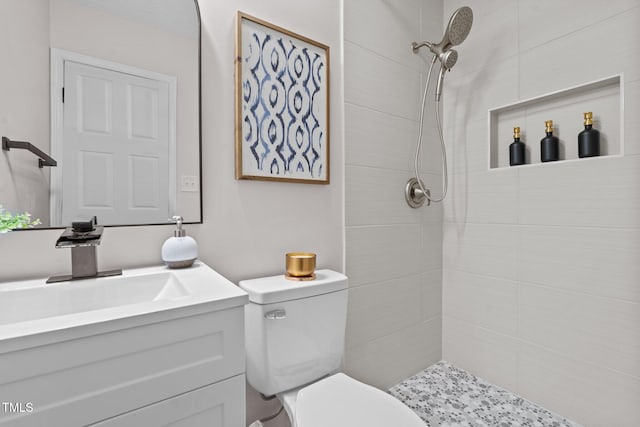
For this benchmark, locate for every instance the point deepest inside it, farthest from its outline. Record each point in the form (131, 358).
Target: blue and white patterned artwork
(284, 114)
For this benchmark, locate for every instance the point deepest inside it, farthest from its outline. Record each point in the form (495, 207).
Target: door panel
(95, 180)
(144, 193)
(94, 105)
(143, 112)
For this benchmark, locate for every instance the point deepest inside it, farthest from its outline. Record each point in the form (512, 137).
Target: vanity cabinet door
(218, 405)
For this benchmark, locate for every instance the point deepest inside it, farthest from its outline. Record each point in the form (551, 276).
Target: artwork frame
(282, 115)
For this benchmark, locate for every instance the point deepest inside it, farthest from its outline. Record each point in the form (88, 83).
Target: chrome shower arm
(417, 46)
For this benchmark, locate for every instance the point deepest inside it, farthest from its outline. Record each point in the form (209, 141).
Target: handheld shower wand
(456, 32)
(447, 60)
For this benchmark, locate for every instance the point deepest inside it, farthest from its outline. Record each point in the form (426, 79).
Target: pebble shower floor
(444, 395)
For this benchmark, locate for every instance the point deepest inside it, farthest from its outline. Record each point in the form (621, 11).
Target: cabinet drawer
(217, 405)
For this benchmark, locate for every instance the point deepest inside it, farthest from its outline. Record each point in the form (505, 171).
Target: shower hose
(445, 177)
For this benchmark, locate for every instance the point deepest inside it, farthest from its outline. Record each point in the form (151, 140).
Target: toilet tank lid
(268, 290)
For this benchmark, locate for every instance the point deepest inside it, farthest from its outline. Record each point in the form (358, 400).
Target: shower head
(457, 31)
(458, 28)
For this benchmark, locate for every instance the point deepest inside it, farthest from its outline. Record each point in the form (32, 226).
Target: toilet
(294, 344)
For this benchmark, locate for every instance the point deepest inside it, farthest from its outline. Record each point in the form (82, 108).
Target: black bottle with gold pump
(516, 149)
(589, 138)
(549, 145)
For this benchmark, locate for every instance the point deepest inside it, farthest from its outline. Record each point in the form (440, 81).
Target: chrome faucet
(82, 237)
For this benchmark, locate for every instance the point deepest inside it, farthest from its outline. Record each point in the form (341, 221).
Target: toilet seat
(339, 400)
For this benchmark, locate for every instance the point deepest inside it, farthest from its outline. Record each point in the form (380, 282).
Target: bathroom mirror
(110, 90)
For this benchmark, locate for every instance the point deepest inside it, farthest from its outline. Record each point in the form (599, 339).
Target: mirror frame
(197, 6)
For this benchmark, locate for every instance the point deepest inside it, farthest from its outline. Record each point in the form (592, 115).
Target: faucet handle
(81, 233)
(84, 226)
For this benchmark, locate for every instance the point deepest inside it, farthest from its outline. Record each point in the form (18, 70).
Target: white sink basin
(28, 301)
(33, 306)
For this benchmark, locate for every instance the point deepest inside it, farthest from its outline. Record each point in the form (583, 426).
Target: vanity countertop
(35, 313)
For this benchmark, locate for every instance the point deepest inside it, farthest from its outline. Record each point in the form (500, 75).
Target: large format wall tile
(562, 63)
(431, 294)
(467, 150)
(395, 41)
(486, 249)
(484, 301)
(382, 253)
(431, 250)
(552, 14)
(487, 198)
(584, 392)
(487, 42)
(379, 139)
(481, 351)
(586, 327)
(386, 361)
(377, 197)
(601, 192)
(377, 82)
(469, 96)
(597, 261)
(382, 308)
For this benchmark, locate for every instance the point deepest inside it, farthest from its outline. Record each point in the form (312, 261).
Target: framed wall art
(282, 104)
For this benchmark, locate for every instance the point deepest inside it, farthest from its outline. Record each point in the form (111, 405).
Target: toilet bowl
(294, 345)
(339, 401)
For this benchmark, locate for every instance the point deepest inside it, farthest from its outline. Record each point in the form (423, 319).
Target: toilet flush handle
(276, 314)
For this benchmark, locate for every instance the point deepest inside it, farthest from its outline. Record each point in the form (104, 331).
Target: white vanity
(151, 347)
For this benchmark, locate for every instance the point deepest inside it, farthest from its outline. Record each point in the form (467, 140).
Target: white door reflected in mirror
(118, 133)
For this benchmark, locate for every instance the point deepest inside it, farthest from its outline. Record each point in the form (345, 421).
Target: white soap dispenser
(179, 251)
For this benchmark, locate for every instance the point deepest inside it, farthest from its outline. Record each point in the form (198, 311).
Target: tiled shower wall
(393, 252)
(541, 271)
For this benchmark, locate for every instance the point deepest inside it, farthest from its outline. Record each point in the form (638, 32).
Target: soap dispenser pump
(179, 251)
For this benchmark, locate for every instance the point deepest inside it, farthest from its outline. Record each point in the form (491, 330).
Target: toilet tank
(294, 330)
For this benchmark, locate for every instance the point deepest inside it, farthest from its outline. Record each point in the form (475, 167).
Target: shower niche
(565, 107)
